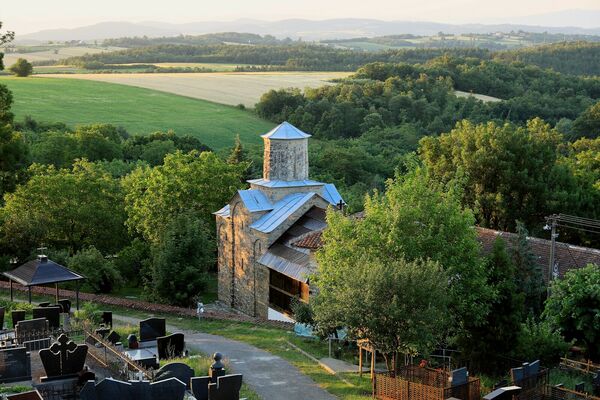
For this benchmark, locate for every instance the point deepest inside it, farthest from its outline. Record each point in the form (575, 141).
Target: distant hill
(343, 28)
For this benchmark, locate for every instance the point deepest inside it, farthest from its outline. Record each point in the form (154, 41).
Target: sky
(34, 15)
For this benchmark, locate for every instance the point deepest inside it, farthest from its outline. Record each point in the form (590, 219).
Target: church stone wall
(240, 279)
(286, 160)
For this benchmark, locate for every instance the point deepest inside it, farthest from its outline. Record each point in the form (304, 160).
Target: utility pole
(553, 235)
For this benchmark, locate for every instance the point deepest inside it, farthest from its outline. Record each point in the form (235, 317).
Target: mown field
(226, 88)
(139, 110)
(58, 53)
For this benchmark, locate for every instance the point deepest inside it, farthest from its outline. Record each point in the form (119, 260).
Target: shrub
(101, 274)
(21, 68)
(538, 340)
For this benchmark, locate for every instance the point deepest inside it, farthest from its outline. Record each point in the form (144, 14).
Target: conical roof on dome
(286, 131)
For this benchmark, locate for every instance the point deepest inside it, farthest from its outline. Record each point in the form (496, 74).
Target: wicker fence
(534, 387)
(559, 393)
(415, 383)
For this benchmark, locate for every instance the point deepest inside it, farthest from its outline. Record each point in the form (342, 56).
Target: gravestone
(44, 304)
(2, 311)
(227, 388)
(580, 387)
(66, 305)
(107, 318)
(63, 358)
(113, 337)
(148, 362)
(459, 376)
(112, 389)
(132, 341)
(199, 387)
(52, 314)
(503, 393)
(596, 384)
(32, 395)
(152, 328)
(17, 316)
(33, 333)
(168, 389)
(175, 370)
(171, 346)
(15, 365)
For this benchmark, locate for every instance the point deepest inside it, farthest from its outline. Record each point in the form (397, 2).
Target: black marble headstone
(2, 311)
(31, 330)
(168, 389)
(113, 337)
(580, 387)
(15, 365)
(63, 358)
(152, 328)
(44, 304)
(109, 389)
(32, 395)
(175, 370)
(107, 318)
(112, 389)
(102, 332)
(66, 305)
(199, 387)
(227, 388)
(17, 316)
(171, 346)
(52, 314)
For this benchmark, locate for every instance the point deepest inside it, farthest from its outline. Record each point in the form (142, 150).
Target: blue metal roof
(281, 211)
(286, 131)
(331, 194)
(255, 200)
(280, 183)
(223, 212)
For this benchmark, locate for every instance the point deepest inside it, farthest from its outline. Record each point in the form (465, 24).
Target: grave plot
(423, 383)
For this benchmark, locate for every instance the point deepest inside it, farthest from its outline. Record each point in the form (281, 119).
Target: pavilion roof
(41, 271)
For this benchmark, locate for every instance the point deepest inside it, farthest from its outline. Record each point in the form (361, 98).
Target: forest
(576, 58)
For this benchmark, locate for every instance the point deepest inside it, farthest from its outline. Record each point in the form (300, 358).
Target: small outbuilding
(42, 271)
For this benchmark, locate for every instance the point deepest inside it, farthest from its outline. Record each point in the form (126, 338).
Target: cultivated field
(227, 88)
(139, 110)
(58, 53)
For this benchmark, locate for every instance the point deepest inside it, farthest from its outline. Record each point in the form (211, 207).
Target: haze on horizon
(36, 15)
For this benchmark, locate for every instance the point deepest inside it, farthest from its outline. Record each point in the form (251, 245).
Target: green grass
(138, 110)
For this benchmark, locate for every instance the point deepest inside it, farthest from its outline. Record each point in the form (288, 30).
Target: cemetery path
(270, 376)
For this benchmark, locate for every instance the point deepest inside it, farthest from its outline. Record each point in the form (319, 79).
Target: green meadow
(140, 111)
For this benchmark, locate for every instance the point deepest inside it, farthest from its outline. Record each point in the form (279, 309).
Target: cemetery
(57, 354)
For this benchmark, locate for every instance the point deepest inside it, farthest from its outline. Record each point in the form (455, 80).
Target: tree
(417, 219)
(588, 123)
(198, 182)
(401, 306)
(496, 338)
(66, 209)
(21, 68)
(531, 281)
(505, 170)
(101, 274)
(181, 260)
(574, 307)
(6, 37)
(14, 158)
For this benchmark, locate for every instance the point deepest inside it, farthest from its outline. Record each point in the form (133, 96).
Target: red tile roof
(567, 256)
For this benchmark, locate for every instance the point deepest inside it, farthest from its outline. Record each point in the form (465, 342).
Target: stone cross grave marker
(63, 358)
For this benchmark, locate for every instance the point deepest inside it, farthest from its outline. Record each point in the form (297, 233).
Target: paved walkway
(270, 376)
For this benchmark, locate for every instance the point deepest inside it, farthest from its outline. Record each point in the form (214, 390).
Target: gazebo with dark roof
(42, 271)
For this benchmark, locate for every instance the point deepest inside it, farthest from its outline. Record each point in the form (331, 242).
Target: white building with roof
(260, 270)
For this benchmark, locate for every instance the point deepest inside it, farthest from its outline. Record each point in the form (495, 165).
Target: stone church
(260, 268)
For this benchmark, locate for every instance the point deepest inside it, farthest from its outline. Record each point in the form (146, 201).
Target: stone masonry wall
(286, 160)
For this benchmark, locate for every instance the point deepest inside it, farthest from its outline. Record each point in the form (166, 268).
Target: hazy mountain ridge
(342, 28)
